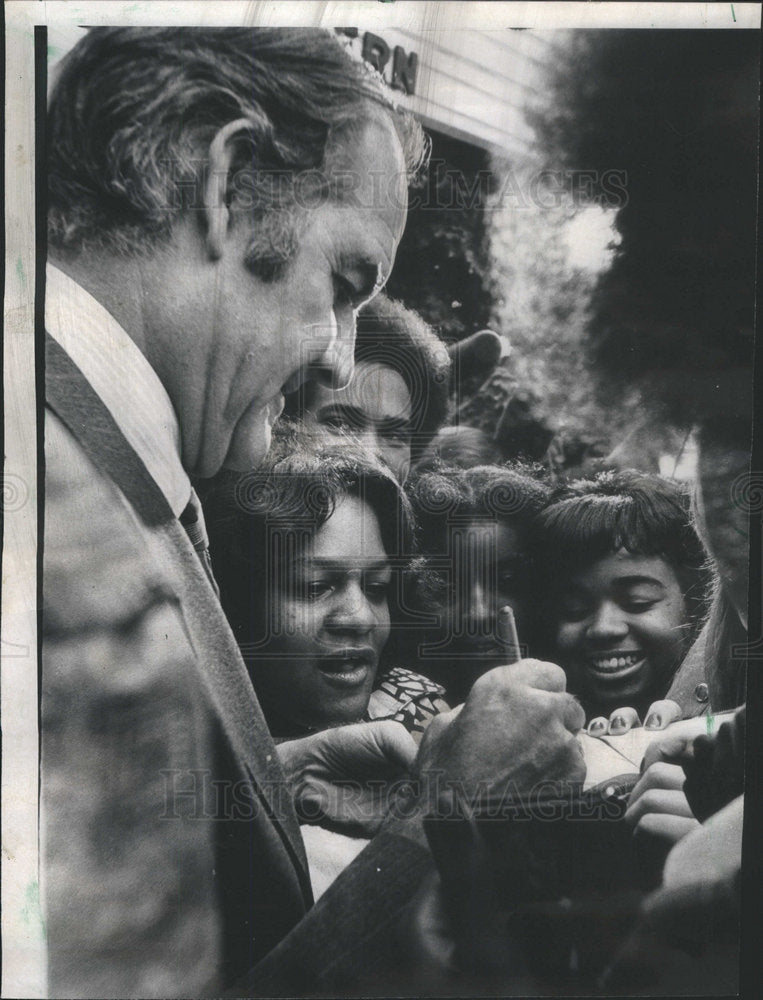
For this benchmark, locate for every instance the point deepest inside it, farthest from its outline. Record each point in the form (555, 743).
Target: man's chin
(247, 451)
(250, 441)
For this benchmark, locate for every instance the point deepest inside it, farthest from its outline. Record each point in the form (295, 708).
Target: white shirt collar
(122, 378)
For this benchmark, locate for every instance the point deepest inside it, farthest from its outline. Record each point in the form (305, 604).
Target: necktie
(192, 520)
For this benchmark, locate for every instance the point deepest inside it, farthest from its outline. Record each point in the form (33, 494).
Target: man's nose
(335, 365)
(608, 622)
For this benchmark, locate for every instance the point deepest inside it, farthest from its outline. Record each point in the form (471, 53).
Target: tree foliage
(442, 268)
(678, 112)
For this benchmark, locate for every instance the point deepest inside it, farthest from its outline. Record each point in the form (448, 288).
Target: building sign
(397, 66)
(471, 84)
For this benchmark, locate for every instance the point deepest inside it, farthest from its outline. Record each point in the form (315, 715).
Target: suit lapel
(231, 690)
(224, 674)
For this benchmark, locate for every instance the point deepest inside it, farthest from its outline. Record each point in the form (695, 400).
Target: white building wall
(473, 84)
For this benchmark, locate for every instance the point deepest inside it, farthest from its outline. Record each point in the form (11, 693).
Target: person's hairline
(137, 241)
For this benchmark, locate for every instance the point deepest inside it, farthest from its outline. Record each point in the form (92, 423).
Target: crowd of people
(278, 691)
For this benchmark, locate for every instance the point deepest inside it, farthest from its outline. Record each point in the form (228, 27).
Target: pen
(507, 635)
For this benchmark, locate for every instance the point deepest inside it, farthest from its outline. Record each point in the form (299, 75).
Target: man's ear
(221, 151)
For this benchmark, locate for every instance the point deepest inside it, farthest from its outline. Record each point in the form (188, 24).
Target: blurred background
(592, 200)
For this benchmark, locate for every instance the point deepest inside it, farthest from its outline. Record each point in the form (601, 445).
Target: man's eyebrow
(363, 273)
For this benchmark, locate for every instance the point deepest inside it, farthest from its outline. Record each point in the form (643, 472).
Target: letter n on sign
(404, 70)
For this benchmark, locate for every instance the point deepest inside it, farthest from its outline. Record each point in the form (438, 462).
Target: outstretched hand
(658, 805)
(344, 775)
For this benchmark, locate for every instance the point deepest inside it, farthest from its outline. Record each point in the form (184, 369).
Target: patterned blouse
(407, 697)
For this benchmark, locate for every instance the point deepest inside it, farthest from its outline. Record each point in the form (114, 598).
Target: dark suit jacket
(171, 851)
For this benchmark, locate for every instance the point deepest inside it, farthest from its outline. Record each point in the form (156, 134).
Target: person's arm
(715, 770)
(348, 776)
(687, 939)
(515, 730)
(128, 893)
(348, 943)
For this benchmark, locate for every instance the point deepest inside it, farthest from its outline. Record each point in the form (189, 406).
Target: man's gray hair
(134, 110)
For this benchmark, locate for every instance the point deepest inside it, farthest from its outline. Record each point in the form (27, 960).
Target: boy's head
(472, 527)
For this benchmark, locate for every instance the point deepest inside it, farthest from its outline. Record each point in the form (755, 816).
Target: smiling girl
(628, 584)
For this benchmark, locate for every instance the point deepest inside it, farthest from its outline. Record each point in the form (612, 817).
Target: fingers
(394, 742)
(622, 720)
(659, 775)
(666, 826)
(670, 748)
(572, 714)
(661, 714)
(544, 699)
(658, 800)
(598, 727)
(561, 753)
(534, 673)
(433, 736)
(573, 765)
(552, 719)
(440, 723)
(346, 805)
(544, 708)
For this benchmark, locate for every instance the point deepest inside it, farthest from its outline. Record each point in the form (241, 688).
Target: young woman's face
(621, 630)
(328, 623)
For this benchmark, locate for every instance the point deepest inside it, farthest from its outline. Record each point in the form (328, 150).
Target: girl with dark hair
(308, 551)
(472, 527)
(627, 584)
